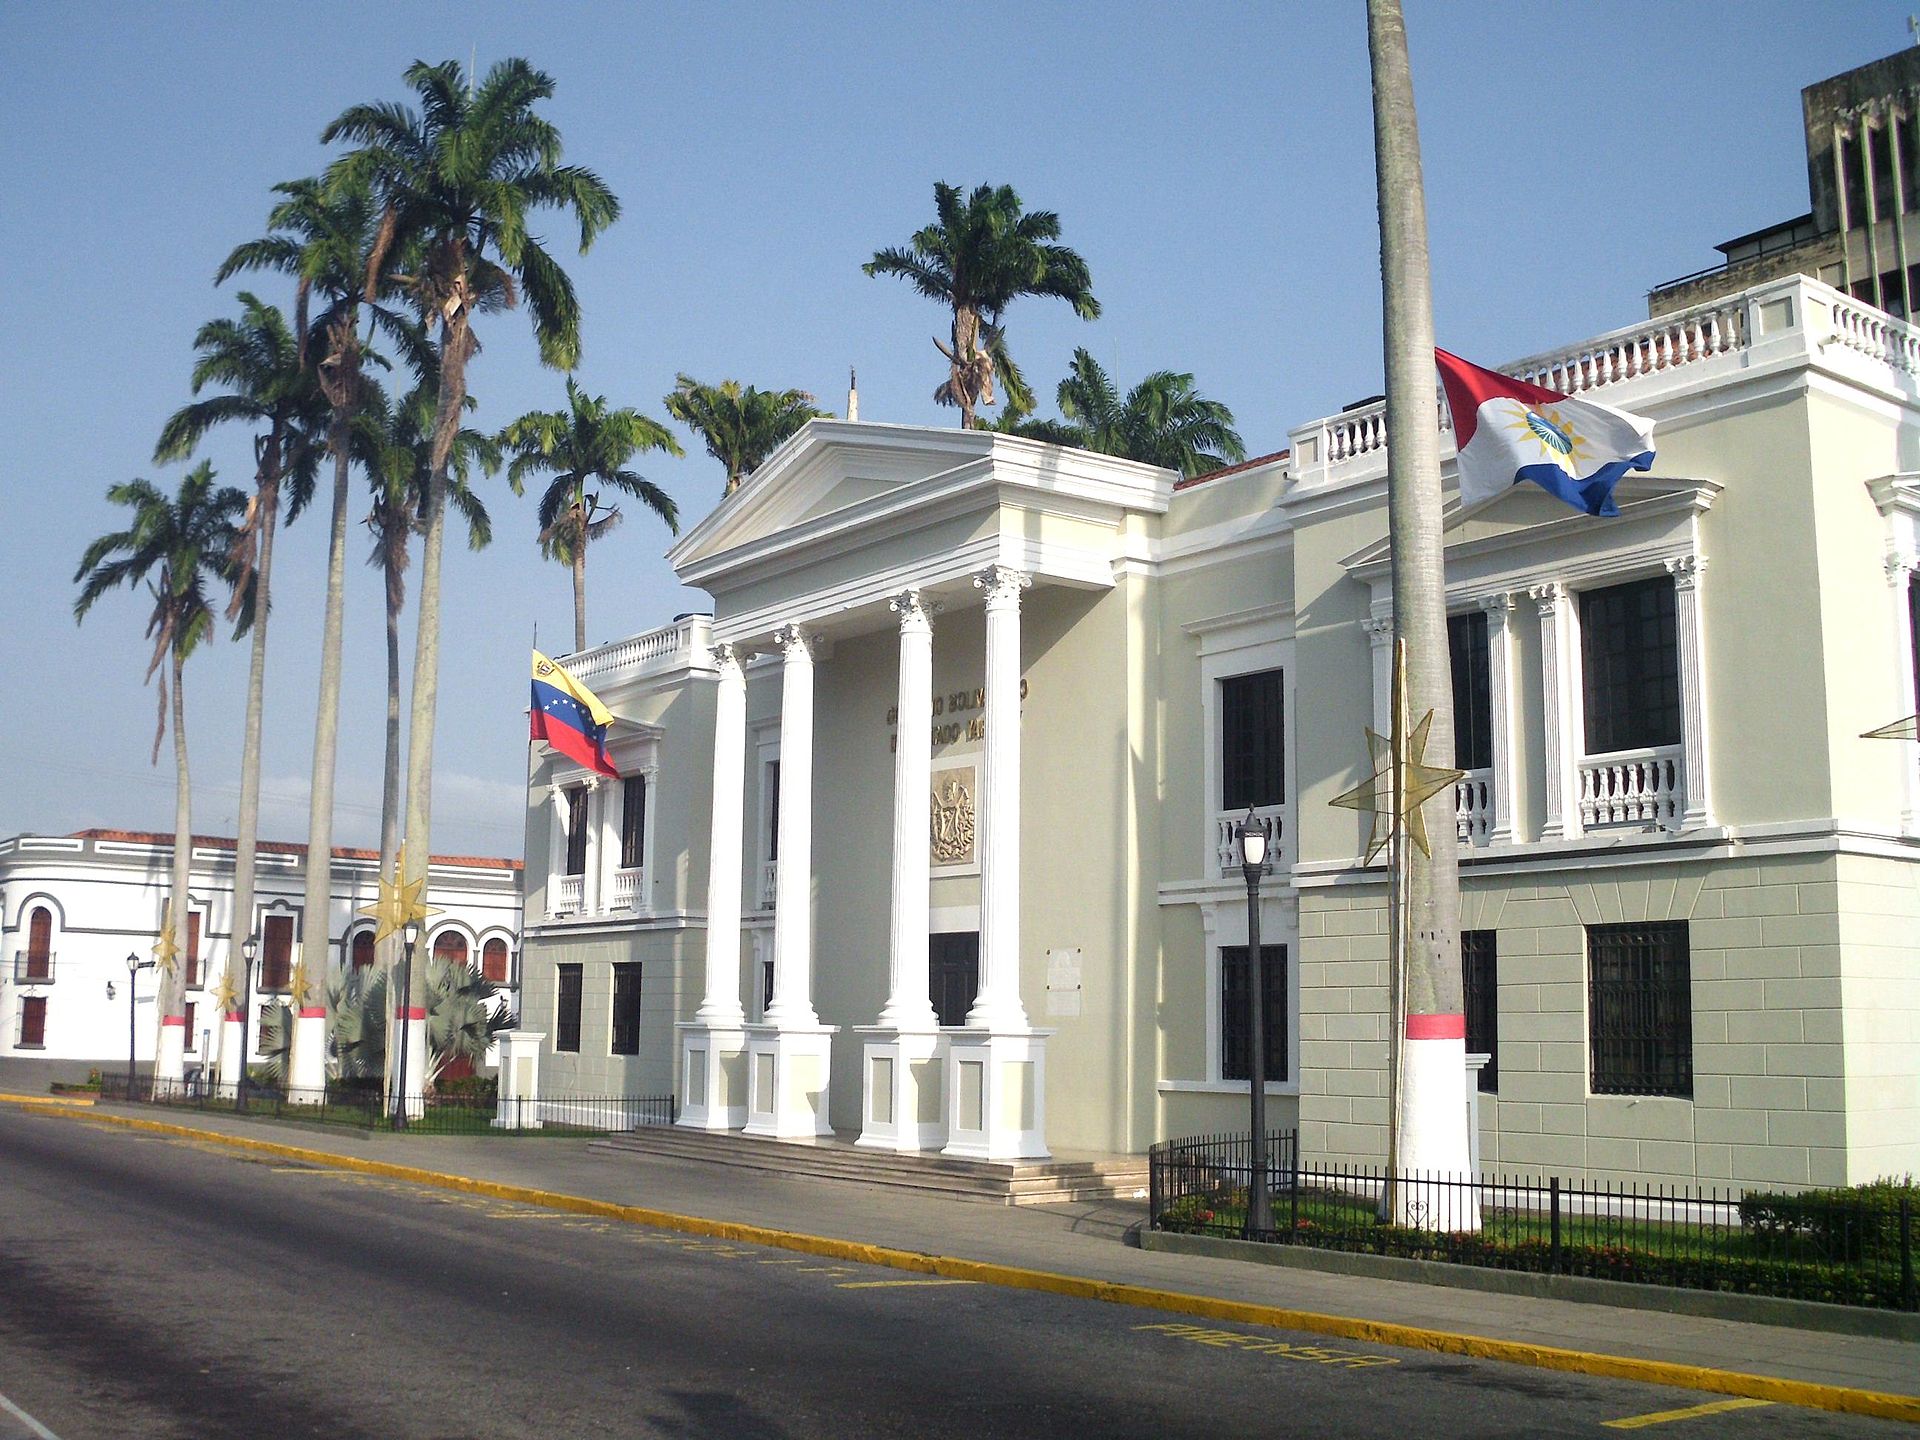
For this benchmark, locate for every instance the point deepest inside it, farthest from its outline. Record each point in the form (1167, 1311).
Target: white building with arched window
(73, 907)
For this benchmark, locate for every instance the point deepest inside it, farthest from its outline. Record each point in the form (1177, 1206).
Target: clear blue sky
(1212, 162)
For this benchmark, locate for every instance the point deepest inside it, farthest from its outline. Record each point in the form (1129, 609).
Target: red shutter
(493, 961)
(362, 949)
(40, 944)
(276, 968)
(33, 1022)
(450, 946)
(193, 958)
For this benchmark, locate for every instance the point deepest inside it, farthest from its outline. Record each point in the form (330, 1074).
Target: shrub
(1840, 1224)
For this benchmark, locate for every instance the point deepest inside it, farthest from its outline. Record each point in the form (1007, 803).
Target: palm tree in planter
(740, 424)
(337, 243)
(458, 180)
(176, 547)
(265, 385)
(1161, 421)
(981, 254)
(587, 444)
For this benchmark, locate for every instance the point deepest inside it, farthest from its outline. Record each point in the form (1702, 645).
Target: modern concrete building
(73, 907)
(925, 834)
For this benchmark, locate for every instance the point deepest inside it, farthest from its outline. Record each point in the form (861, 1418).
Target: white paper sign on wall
(1063, 983)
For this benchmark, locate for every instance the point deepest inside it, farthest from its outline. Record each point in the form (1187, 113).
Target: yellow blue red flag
(569, 716)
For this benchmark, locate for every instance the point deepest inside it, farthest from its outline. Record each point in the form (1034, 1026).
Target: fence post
(1293, 1189)
(1554, 1255)
(1908, 1298)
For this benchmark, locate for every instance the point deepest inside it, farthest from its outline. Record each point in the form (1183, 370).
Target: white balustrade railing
(769, 873)
(628, 889)
(32, 969)
(1226, 836)
(1873, 333)
(675, 641)
(566, 894)
(1633, 787)
(1473, 806)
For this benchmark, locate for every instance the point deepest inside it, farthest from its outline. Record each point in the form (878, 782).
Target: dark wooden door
(953, 974)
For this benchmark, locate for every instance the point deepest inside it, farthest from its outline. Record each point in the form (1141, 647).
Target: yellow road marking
(1692, 1412)
(897, 1284)
(1844, 1399)
(1263, 1345)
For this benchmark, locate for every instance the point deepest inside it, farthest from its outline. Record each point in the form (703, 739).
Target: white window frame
(636, 755)
(1246, 643)
(1223, 923)
(766, 749)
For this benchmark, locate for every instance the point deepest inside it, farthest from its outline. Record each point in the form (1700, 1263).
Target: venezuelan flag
(570, 717)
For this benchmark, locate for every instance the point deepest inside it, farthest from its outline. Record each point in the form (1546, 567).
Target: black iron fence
(363, 1106)
(1852, 1247)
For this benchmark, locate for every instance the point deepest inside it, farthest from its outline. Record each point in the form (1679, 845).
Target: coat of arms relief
(951, 817)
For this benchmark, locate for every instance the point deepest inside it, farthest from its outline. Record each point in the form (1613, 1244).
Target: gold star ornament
(1392, 804)
(400, 900)
(1907, 729)
(166, 948)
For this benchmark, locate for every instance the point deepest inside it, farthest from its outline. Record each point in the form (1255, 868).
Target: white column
(1686, 571)
(720, 1005)
(1500, 712)
(1380, 633)
(997, 1005)
(793, 883)
(1900, 568)
(592, 803)
(908, 1005)
(1562, 818)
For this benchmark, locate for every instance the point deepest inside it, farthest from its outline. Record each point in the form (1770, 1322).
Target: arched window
(493, 960)
(450, 946)
(39, 944)
(362, 949)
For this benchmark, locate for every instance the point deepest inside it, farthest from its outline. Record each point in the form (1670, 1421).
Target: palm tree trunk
(1430, 1126)
(409, 1008)
(390, 783)
(966, 344)
(232, 1062)
(580, 584)
(307, 1066)
(169, 1065)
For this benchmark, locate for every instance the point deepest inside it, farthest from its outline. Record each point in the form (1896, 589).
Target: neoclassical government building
(924, 834)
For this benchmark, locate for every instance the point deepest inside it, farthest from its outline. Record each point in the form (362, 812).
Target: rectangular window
(1640, 1009)
(192, 1034)
(1630, 666)
(576, 831)
(633, 822)
(626, 1008)
(1252, 740)
(1480, 981)
(1236, 1000)
(276, 953)
(773, 810)
(1913, 627)
(566, 1025)
(953, 974)
(193, 951)
(33, 1022)
(1472, 696)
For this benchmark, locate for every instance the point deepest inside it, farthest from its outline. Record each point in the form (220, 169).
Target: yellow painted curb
(11, 1098)
(1378, 1332)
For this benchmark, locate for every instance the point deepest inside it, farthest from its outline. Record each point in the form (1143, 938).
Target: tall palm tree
(458, 180)
(740, 424)
(256, 358)
(336, 241)
(1161, 421)
(588, 443)
(175, 547)
(1429, 1130)
(980, 255)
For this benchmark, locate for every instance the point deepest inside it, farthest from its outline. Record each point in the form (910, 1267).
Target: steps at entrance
(1008, 1182)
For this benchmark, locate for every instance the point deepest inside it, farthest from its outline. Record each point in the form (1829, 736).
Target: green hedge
(1844, 1224)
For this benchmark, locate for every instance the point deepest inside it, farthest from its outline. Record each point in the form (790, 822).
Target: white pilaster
(1686, 571)
(1500, 712)
(908, 1005)
(518, 1104)
(1562, 814)
(593, 803)
(997, 1006)
(1900, 570)
(1380, 633)
(713, 1047)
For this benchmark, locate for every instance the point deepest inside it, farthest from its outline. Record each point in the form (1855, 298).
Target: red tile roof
(1192, 480)
(281, 847)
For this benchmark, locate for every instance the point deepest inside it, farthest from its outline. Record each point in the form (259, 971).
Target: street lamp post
(410, 934)
(1252, 838)
(249, 947)
(134, 966)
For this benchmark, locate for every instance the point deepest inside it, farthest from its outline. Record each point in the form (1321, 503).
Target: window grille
(1235, 1005)
(1640, 1009)
(33, 1022)
(1252, 740)
(566, 1029)
(626, 1008)
(1630, 666)
(1472, 696)
(1479, 974)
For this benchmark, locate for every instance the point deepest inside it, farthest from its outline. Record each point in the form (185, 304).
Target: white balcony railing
(566, 894)
(1473, 806)
(1226, 832)
(1633, 787)
(769, 873)
(628, 890)
(32, 969)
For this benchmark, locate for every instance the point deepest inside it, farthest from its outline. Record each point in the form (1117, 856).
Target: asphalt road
(158, 1287)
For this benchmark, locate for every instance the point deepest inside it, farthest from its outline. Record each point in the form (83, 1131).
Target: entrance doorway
(953, 974)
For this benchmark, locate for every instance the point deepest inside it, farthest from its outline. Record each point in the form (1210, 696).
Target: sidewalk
(1090, 1240)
